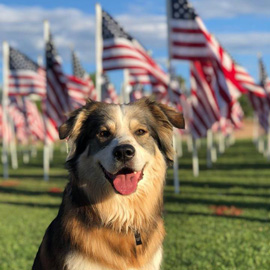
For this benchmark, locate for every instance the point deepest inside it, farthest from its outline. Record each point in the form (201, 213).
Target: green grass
(197, 239)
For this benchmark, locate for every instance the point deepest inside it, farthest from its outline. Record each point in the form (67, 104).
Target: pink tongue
(126, 184)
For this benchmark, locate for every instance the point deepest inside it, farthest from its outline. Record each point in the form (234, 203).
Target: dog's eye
(104, 134)
(140, 132)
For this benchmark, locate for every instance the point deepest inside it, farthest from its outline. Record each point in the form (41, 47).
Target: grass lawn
(220, 220)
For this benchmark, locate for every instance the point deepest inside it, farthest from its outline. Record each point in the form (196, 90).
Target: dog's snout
(124, 152)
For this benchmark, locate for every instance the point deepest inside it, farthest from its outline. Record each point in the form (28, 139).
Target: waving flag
(142, 77)
(261, 105)
(190, 40)
(57, 103)
(36, 123)
(27, 120)
(80, 85)
(17, 116)
(264, 79)
(25, 76)
(5, 129)
(108, 93)
(122, 51)
(205, 109)
(237, 115)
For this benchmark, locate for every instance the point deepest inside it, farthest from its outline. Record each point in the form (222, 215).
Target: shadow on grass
(9, 190)
(217, 216)
(218, 201)
(220, 185)
(29, 204)
(266, 195)
(241, 166)
(37, 176)
(227, 166)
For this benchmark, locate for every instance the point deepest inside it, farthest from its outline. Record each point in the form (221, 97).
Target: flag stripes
(25, 76)
(205, 110)
(122, 51)
(190, 40)
(57, 103)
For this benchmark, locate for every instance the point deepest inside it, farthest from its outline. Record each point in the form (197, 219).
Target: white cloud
(151, 30)
(23, 28)
(246, 43)
(231, 8)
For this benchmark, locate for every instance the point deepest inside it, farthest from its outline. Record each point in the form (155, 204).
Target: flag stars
(18, 60)
(111, 29)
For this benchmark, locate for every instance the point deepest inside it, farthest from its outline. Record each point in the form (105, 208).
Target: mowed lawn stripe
(220, 220)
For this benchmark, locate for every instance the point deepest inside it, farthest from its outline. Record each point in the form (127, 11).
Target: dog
(111, 213)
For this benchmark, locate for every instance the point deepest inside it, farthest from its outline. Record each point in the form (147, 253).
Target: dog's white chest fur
(76, 261)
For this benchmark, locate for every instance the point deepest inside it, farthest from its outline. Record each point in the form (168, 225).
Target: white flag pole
(13, 145)
(46, 148)
(213, 152)
(221, 143)
(175, 162)
(8, 121)
(125, 87)
(4, 108)
(189, 143)
(99, 48)
(179, 145)
(209, 148)
(195, 159)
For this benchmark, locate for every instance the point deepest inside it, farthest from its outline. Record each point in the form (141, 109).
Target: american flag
(5, 129)
(34, 117)
(172, 95)
(264, 79)
(261, 105)
(237, 115)
(122, 51)
(205, 109)
(80, 85)
(17, 118)
(108, 93)
(57, 103)
(25, 76)
(27, 119)
(189, 39)
(142, 77)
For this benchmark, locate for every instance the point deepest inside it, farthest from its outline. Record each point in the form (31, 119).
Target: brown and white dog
(111, 213)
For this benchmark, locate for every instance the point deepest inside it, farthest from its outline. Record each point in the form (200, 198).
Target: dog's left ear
(165, 118)
(176, 118)
(65, 129)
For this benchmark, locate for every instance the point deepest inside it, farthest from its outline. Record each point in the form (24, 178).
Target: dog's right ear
(65, 129)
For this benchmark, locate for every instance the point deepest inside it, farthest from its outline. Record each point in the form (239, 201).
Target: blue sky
(242, 27)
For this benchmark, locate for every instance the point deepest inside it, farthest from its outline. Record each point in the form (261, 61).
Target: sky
(241, 26)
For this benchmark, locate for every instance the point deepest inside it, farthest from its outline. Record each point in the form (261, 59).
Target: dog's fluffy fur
(97, 221)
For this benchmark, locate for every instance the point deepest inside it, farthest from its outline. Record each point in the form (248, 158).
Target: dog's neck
(134, 215)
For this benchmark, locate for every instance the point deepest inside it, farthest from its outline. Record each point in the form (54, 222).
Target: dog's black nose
(124, 152)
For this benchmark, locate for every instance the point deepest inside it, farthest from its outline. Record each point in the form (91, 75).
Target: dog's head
(116, 148)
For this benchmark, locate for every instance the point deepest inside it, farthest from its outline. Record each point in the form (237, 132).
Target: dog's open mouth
(125, 181)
